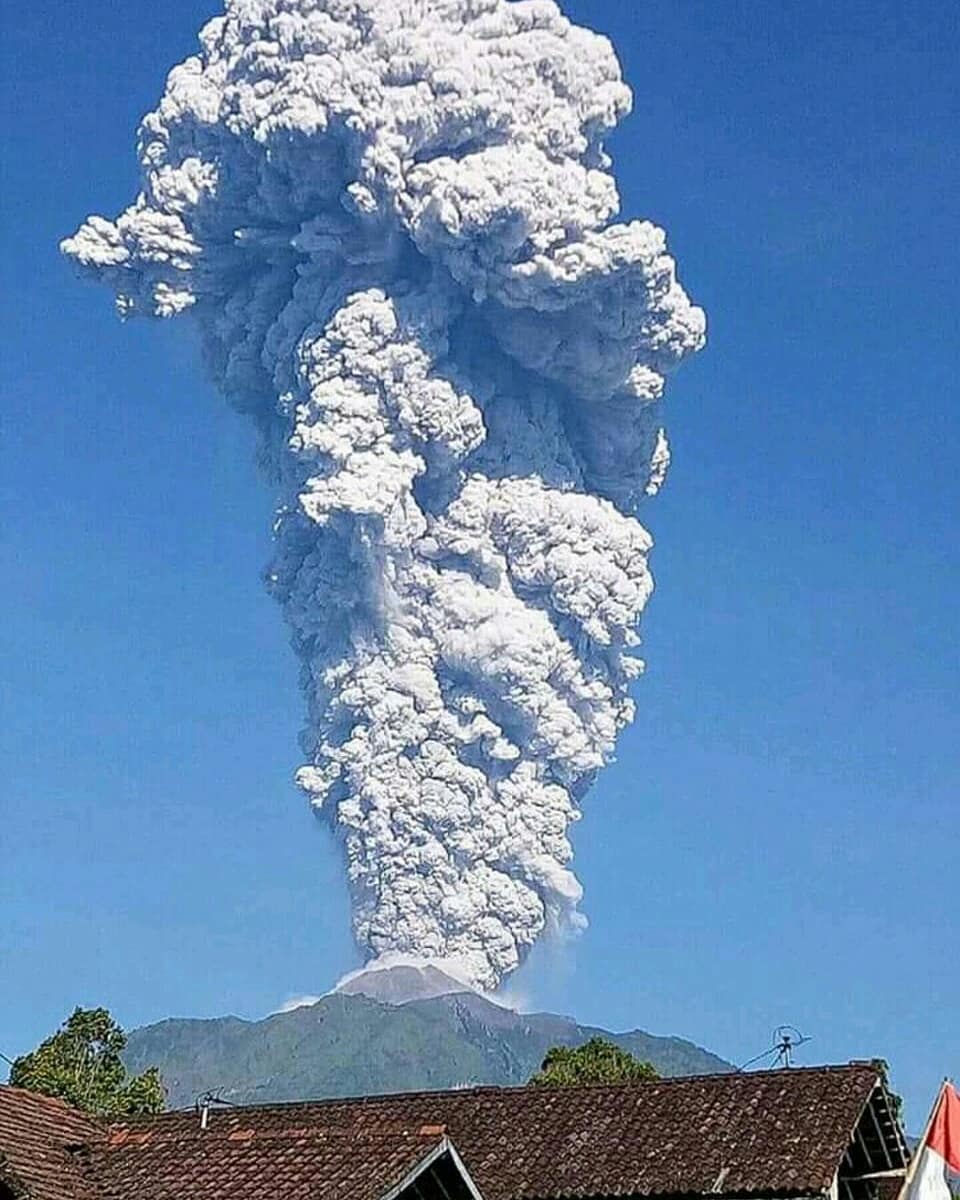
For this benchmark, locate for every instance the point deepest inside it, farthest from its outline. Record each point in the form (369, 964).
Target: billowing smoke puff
(390, 220)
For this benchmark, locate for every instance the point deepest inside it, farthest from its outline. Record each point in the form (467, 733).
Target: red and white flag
(940, 1152)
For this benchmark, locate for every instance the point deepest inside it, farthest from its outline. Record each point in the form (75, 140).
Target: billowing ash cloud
(391, 221)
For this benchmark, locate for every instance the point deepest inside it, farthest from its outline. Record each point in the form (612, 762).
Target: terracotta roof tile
(771, 1133)
(39, 1138)
(224, 1162)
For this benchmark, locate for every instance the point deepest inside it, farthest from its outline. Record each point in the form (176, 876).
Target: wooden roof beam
(872, 1109)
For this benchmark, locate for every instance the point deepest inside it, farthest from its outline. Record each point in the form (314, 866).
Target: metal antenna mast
(786, 1039)
(204, 1102)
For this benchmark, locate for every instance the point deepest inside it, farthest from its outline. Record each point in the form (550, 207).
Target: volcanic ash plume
(391, 222)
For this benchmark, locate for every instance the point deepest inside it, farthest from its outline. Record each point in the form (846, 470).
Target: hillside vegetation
(351, 1045)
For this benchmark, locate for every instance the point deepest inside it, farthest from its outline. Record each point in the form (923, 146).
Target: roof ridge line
(495, 1089)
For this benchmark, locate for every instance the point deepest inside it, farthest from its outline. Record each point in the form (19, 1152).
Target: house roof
(242, 1158)
(38, 1136)
(771, 1133)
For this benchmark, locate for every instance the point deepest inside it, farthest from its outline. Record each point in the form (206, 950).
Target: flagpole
(915, 1157)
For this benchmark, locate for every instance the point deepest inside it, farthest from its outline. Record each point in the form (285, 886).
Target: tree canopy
(596, 1061)
(81, 1064)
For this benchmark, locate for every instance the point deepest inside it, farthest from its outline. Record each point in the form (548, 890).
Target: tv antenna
(786, 1039)
(205, 1100)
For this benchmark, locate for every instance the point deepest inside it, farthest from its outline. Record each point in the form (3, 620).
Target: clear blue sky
(780, 838)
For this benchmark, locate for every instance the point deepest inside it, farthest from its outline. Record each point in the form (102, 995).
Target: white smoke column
(390, 220)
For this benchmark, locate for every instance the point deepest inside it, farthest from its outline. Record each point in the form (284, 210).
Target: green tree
(81, 1064)
(596, 1061)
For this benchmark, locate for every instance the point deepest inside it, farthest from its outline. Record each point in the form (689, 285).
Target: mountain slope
(349, 1044)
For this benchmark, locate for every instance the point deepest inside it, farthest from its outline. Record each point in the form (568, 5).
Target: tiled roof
(38, 1137)
(769, 1133)
(240, 1158)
